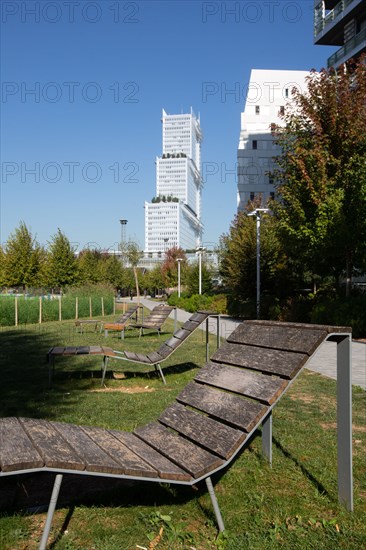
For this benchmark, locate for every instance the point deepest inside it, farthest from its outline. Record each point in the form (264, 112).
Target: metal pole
(344, 421)
(200, 272)
(51, 511)
(258, 216)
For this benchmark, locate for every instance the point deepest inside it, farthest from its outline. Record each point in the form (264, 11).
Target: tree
(321, 179)
(89, 266)
(206, 279)
(134, 255)
(61, 267)
(111, 271)
(238, 258)
(22, 259)
(169, 267)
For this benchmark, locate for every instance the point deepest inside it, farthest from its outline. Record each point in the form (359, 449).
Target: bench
(122, 322)
(210, 422)
(154, 358)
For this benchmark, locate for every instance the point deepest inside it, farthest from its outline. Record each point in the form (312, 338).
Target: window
(255, 144)
(257, 109)
(272, 195)
(286, 92)
(282, 110)
(252, 195)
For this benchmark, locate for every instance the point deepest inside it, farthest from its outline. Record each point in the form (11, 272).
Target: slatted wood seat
(122, 322)
(155, 319)
(211, 420)
(154, 358)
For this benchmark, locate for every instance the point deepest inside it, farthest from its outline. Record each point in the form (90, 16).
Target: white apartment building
(173, 218)
(269, 92)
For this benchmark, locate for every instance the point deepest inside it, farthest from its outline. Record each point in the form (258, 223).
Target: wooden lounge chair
(211, 420)
(153, 358)
(155, 319)
(122, 322)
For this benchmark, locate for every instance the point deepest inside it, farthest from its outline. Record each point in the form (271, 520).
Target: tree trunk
(137, 285)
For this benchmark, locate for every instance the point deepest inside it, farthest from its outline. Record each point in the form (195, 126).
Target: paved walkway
(324, 360)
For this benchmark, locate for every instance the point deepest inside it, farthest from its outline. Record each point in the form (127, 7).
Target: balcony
(353, 47)
(326, 20)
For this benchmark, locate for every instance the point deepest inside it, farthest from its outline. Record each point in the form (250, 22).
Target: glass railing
(350, 45)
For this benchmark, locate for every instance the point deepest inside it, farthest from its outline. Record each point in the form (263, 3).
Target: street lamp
(257, 213)
(179, 260)
(123, 236)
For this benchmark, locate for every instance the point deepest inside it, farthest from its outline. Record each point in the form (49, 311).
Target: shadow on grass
(125, 374)
(24, 371)
(317, 484)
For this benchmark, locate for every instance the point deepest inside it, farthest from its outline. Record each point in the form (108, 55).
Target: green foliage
(195, 302)
(22, 259)
(206, 279)
(349, 311)
(238, 259)
(61, 266)
(321, 180)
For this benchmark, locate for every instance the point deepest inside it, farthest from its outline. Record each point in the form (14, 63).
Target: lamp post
(199, 251)
(123, 237)
(179, 260)
(257, 213)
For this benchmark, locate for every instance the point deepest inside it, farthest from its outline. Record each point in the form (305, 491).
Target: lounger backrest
(127, 315)
(158, 315)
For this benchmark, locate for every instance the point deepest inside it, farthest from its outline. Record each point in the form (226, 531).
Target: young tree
(169, 267)
(321, 180)
(22, 259)
(61, 268)
(238, 258)
(89, 266)
(134, 255)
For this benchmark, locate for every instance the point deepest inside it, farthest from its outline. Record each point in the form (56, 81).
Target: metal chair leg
(104, 368)
(51, 511)
(215, 505)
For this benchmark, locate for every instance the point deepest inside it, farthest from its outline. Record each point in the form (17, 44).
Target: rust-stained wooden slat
(95, 350)
(54, 450)
(173, 342)
(278, 337)
(305, 326)
(70, 350)
(109, 352)
(82, 350)
(129, 462)
(165, 468)
(251, 384)
(95, 459)
(210, 434)
(188, 456)
(56, 350)
(199, 317)
(17, 451)
(154, 357)
(235, 410)
(164, 351)
(190, 326)
(272, 361)
(182, 334)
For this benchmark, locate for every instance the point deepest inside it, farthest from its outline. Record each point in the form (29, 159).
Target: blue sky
(83, 85)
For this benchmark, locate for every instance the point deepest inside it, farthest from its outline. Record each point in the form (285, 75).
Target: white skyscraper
(268, 94)
(173, 218)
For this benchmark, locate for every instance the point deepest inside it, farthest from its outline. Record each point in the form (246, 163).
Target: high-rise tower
(173, 217)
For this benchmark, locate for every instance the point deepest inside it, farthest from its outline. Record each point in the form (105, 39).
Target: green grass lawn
(291, 505)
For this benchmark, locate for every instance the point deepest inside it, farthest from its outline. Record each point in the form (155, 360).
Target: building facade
(173, 217)
(341, 23)
(269, 92)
